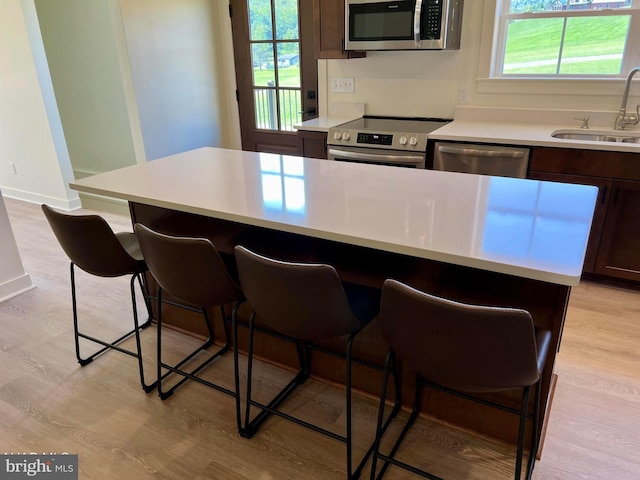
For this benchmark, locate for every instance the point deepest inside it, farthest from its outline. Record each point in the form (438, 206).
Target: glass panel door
(275, 51)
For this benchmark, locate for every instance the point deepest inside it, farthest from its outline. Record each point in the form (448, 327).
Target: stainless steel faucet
(623, 118)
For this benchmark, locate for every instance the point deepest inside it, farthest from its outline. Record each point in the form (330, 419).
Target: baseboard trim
(31, 197)
(91, 201)
(15, 287)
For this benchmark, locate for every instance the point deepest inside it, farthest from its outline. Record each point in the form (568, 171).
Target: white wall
(90, 123)
(176, 68)
(13, 279)
(427, 83)
(31, 136)
(86, 53)
(227, 75)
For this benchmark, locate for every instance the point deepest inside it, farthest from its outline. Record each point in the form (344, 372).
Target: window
(570, 38)
(275, 52)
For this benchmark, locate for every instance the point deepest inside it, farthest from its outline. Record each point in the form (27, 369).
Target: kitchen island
(476, 239)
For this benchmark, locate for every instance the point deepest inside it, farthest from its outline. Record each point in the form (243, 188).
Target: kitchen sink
(598, 135)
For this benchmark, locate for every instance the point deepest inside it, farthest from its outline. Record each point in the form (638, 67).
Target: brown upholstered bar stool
(190, 270)
(461, 349)
(304, 303)
(92, 246)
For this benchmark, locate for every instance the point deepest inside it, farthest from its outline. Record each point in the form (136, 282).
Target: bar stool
(190, 270)
(304, 303)
(92, 246)
(456, 348)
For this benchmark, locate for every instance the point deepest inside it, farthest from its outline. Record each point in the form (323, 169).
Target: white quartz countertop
(323, 124)
(531, 134)
(526, 228)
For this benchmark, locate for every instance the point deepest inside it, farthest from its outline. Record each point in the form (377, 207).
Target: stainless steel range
(388, 141)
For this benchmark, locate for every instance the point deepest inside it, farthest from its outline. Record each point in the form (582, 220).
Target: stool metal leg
(349, 433)
(396, 408)
(146, 387)
(114, 345)
(247, 412)
(247, 426)
(252, 425)
(389, 458)
(535, 437)
(389, 360)
(522, 427)
(189, 375)
(236, 366)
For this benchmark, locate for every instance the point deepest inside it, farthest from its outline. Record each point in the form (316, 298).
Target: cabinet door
(604, 186)
(312, 144)
(328, 18)
(619, 253)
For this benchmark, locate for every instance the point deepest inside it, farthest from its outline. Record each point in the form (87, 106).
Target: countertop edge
(323, 124)
(526, 134)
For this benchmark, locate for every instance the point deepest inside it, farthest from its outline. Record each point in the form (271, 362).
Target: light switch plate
(342, 85)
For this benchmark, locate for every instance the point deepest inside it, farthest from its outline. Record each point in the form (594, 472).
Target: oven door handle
(383, 158)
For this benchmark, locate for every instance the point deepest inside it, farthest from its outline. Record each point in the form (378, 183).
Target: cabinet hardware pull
(615, 195)
(604, 194)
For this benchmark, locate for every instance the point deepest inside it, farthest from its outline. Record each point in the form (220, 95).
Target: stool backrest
(188, 268)
(465, 347)
(302, 300)
(90, 244)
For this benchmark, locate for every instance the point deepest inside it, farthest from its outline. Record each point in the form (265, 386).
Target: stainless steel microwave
(403, 24)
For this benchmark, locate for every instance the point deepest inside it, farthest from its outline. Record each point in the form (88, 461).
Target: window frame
(631, 54)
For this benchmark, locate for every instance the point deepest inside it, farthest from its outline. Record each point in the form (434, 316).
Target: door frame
(253, 139)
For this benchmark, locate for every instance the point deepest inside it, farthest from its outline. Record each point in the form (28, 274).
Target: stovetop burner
(405, 125)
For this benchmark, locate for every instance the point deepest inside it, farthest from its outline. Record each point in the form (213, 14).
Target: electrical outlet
(464, 96)
(12, 166)
(342, 85)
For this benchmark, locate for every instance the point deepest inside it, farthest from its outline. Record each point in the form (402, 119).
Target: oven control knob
(403, 140)
(346, 136)
(337, 136)
(413, 141)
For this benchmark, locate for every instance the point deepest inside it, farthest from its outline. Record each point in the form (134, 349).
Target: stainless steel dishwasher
(481, 159)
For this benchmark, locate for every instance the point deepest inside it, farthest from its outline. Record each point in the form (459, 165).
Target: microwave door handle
(386, 158)
(416, 23)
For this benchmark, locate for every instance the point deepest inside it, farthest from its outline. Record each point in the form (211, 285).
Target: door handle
(309, 111)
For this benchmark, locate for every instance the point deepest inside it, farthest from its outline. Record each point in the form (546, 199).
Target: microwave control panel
(431, 19)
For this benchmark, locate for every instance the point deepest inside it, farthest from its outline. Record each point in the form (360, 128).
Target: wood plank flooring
(48, 403)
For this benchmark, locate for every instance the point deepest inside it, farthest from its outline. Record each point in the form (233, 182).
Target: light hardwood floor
(48, 403)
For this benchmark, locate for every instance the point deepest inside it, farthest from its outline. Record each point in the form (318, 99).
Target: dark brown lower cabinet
(619, 252)
(312, 144)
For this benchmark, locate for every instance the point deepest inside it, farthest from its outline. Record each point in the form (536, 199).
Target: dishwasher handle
(474, 152)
